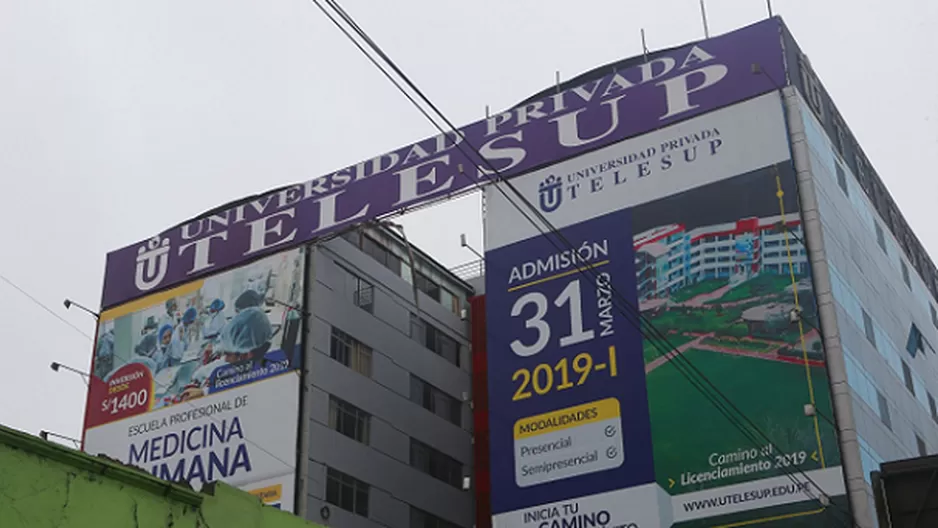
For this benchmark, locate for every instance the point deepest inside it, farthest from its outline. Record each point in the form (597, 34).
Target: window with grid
(905, 273)
(427, 285)
(362, 291)
(922, 448)
(422, 519)
(436, 464)
(434, 339)
(347, 492)
(381, 253)
(435, 400)
(350, 352)
(349, 420)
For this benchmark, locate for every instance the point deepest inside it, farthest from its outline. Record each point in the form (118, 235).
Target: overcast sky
(120, 119)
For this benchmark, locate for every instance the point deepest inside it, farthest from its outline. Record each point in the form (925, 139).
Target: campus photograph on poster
(703, 218)
(207, 336)
(723, 273)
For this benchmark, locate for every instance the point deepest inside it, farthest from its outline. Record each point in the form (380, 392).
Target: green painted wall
(45, 485)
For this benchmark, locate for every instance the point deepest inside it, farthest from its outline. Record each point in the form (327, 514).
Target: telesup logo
(152, 263)
(550, 193)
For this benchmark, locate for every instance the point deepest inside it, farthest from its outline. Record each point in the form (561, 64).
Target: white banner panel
(674, 159)
(244, 436)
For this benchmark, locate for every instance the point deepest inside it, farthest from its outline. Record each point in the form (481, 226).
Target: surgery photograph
(228, 330)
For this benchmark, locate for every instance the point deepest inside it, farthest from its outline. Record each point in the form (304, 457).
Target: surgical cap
(189, 316)
(247, 331)
(248, 299)
(164, 329)
(217, 305)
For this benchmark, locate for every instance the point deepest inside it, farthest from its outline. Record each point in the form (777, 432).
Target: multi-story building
(851, 255)
(389, 424)
(351, 408)
(877, 290)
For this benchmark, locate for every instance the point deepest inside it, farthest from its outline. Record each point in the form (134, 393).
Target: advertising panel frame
(253, 298)
(831, 478)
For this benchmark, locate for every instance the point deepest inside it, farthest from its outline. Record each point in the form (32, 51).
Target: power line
(44, 307)
(642, 321)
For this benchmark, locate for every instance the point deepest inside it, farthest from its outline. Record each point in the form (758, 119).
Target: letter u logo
(152, 263)
(550, 194)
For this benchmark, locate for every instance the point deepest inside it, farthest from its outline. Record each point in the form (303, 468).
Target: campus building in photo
(668, 258)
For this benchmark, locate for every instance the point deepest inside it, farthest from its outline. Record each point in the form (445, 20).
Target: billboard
(672, 85)
(201, 382)
(591, 422)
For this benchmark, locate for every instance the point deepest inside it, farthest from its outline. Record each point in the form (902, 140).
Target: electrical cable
(641, 320)
(44, 307)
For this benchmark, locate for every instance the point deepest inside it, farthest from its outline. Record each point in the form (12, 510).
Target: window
(422, 519)
(915, 343)
(933, 408)
(362, 291)
(907, 375)
(922, 448)
(435, 463)
(350, 352)
(905, 273)
(435, 400)
(346, 492)
(434, 339)
(883, 409)
(841, 178)
(349, 420)
(934, 315)
(427, 285)
(868, 328)
(450, 300)
(381, 253)
(880, 239)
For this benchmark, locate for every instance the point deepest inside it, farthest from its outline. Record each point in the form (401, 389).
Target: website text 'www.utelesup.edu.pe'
(747, 496)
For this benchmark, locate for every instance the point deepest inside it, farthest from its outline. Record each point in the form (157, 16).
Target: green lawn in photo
(765, 284)
(740, 344)
(687, 427)
(652, 352)
(703, 319)
(693, 290)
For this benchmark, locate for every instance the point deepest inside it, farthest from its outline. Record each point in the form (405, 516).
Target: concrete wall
(44, 485)
(384, 463)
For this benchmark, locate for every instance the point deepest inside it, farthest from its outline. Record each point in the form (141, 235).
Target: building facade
(876, 290)
(389, 433)
(868, 283)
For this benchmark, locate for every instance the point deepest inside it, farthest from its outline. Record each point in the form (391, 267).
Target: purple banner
(673, 86)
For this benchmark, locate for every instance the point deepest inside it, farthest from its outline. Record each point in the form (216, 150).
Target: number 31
(571, 294)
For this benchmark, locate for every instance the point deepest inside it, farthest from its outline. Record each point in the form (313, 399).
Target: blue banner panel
(566, 374)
